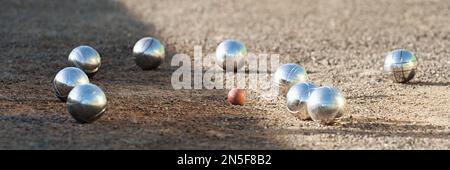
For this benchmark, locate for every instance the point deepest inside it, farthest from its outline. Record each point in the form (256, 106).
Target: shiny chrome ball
(287, 75)
(297, 97)
(400, 66)
(325, 104)
(231, 53)
(66, 80)
(86, 58)
(86, 103)
(149, 53)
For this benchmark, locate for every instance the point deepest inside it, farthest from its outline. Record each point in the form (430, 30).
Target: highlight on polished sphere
(231, 53)
(86, 103)
(297, 97)
(400, 66)
(86, 58)
(325, 104)
(149, 53)
(287, 75)
(66, 79)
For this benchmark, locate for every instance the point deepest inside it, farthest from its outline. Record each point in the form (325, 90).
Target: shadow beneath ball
(87, 120)
(91, 75)
(424, 83)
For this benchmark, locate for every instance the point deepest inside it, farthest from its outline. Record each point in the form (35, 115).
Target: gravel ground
(341, 43)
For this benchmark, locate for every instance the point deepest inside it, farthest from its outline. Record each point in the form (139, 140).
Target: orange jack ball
(236, 96)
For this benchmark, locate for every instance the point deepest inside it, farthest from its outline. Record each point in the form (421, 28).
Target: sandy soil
(341, 43)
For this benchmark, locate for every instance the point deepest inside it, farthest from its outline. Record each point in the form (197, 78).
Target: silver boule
(231, 53)
(297, 97)
(287, 75)
(86, 103)
(66, 79)
(400, 66)
(149, 53)
(86, 58)
(325, 104)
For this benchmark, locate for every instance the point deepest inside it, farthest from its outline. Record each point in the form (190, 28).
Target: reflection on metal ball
(400, 66)
(231, 53)
(66, 80)
(86, 58)
(149, 53)
(287, 75)
(86, 103)
(297, 97)
(325, 104)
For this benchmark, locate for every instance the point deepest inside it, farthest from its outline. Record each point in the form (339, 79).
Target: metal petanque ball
(400, 65)
(297, 97)
(149, 53)
(86, 58)
(231, 53)
(325, 104)
(66, 79)
(287, 75)
(86, 103)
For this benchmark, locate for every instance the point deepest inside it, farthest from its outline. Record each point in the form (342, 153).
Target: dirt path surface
(341, 43)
